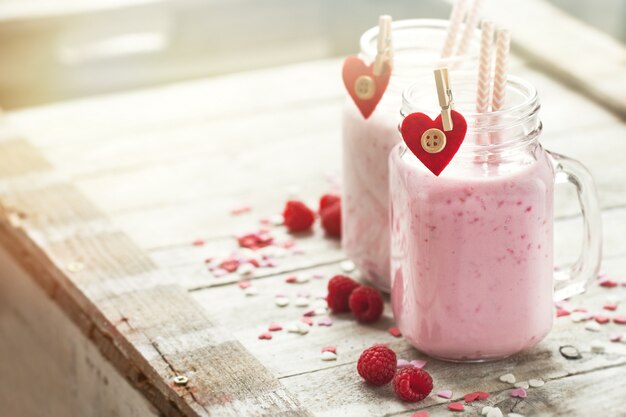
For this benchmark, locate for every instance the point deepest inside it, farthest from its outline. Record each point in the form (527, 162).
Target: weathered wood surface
(101, 199)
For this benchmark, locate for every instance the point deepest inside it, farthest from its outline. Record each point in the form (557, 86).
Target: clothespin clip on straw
(446, 101)
(384, 50)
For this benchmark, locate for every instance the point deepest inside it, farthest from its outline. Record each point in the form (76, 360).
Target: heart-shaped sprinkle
(420, 414)
(281, 301)
(418, 363)
(303, 328)
(243, 284)
(522, 384)
(519, 393)
(608, 283)
(592, 326)
(265, 336)
(482, 395)
(494, 412)
(471, 397)
(619, 320)
(536, 383)
(446, 393)
(402, 363)
(578, 316)
(251, 291)
(428, 141)
(329, 349)
(456, 406)
(610, 307)
(597, 346)
(302, 302)
(616, 337)
(602, 319)
(509, 378)
(486, 409)
(328, 356)
(307, 320)
(365, 87)
(291, 280)
(325, 321)
(395, 332)
(347, 266)
(274, 327)
(562, 313)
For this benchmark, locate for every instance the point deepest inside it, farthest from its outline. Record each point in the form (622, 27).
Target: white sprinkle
(277, 219)
(515, 415)
(292, 328)
(494, 412)
(293, 191)
(536, 383)
(328, 356)
(303, 278)
(510, 378)
(521, 384)
(303, 328)
(592, 326)
(348, 266)
(485, 410)
(302, 302)
(578, 316)
(281, 301)
(597, 346)
(251, 291)
(616, 337)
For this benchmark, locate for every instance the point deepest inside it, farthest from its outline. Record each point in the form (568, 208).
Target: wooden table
(104, 299)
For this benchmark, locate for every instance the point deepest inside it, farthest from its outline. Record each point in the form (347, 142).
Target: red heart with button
(365, 87)
(426, 138)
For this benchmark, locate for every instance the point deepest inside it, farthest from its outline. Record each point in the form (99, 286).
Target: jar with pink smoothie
(417, 47)
(472, 249)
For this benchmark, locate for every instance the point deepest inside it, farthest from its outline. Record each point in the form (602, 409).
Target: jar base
(470, 360)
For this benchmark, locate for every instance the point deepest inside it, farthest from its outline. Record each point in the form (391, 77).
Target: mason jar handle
(574, 281)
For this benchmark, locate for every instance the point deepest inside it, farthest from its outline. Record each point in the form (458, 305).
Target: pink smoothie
(472, 267)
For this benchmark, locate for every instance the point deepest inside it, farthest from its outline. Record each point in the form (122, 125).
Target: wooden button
(364, 87)
(433, 140)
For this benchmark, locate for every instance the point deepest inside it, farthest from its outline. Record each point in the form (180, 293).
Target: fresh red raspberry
(298, 217)
(339, 289)
(412, 384)
(377, 365)
(366, 304)
(328, 200)
(331, 220)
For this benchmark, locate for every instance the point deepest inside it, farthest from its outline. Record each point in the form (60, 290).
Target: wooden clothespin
(446, 101)
(384, 50)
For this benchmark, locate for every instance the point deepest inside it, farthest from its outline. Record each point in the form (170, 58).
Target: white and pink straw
(460, 13)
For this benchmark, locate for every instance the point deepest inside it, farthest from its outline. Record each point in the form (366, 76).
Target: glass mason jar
(472, 249)
(366, 142)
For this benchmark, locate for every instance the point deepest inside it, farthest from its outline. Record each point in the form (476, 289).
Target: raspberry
(412, 384)
(331, 220)
(377, 365)
(366, 304)
(339, 289)
(298, 217)
(328, 200)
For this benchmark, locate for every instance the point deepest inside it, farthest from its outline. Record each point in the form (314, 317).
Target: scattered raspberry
(366, 304)
(412, 384)
(339, 289)
(298, 217)
(331, 220)
(377, 365)
(328, 200)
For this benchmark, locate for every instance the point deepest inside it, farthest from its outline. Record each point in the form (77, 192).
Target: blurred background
(53, 50)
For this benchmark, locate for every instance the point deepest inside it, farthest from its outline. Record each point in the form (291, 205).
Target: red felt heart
(353, 68)
(414, 126)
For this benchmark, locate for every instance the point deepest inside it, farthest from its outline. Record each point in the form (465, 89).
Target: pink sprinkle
(602, 319)
(420, 414)
(580, 310)
(317, 276)
(275, 327)
(304, 294)
(619, 320)
(418, 363)
(307, 321)
(198, 242)
(608, 283)
(309, 313)
(291, 280)
(332, 349)
(243, 284)
(265, 336)
(402, 363)
(519, 393)
(446, 393)
(325, 321)
(219, 272)
(395, 332)
(610, 307)
(561, 312)
(240, 210)
(616, 337)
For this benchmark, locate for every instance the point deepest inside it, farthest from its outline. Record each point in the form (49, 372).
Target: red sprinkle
(394, 331)
(608, 283)
(482, 395)
(610, 307)
(619, 320)
(562, 313)
(198, 242)
(243, 284)
(230, 265)
(254, 241)
(275, 327)
(456, 407)
(291, 280)
(471, 397)
(602, 319)
(265, 336)
(332, 349)
(420, 414)
(307, 320)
